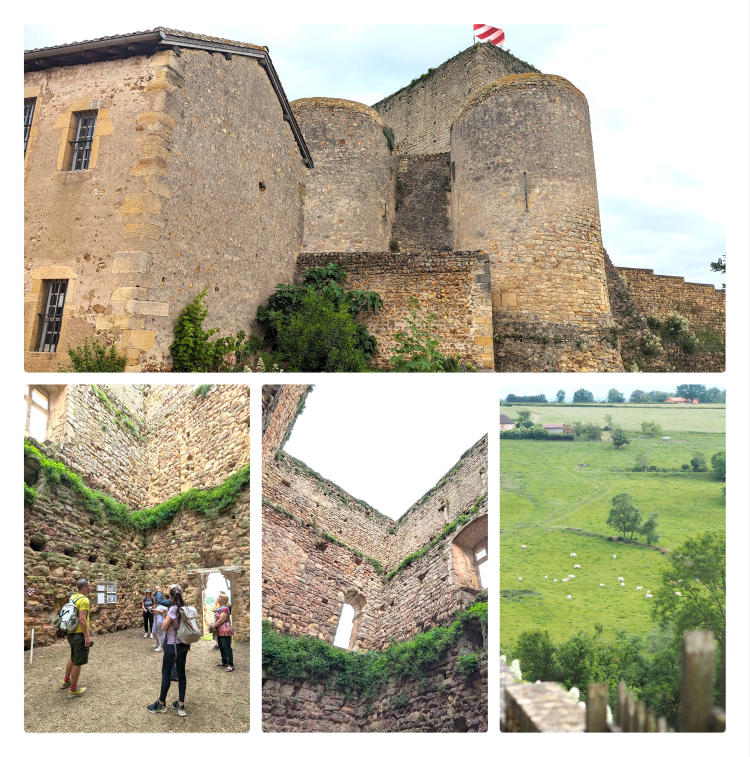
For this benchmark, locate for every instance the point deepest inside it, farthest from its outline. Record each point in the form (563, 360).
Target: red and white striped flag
(489, 34)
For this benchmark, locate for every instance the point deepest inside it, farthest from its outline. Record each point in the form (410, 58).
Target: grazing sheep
(620, 578)
(573, 554)
(565, 580)
(570, 575)
(638, 588)
(649, 596)
(576, 566)
(697, 580)
(602, 585)
(519, 578)
(545, 576)
(678, 593)
(614, 557)
(622, 585)
(523, 546)
(570, 596)
(555, 580)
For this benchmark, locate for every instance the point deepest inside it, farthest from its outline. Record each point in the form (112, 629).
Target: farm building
(506, 423)
(554, 428)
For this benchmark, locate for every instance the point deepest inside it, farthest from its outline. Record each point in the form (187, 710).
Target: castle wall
(350, 195)
(442, 700)
(455, 286)
(421, 114)
(194, 441)
(524, 192)
(658, 295)
(171, 204)
(423, 203)
(71, 544)
(281, 406)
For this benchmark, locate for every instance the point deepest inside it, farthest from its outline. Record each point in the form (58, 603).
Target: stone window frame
(35, 303)
(32, 93)
(358, 602)
(67, 122)
(465, 546)
(28, 396)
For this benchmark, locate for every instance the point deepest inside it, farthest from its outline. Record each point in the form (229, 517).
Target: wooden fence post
(630, 706)
(697, 681)
(596, 708)
(622, 710)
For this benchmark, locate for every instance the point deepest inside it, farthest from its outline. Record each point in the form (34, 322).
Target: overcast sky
(387, 446)
(660, 115)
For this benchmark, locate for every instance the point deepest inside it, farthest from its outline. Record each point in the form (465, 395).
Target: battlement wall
(421, 113)
(453, 285)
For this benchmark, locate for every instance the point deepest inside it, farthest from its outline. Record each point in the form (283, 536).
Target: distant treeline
(585, 397)
(523, 398)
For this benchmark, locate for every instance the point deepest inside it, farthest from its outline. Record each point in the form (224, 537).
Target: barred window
(52, 316)
(28, 116)
(83, 141)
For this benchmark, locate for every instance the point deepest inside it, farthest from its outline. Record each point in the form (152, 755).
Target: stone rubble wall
(423, 203)
(453, 285)
(421, 114)
(444, 700)
(104, 552)
(186, 433)
(350, 196)
(658, 295)
(281, 406)
(541, 708)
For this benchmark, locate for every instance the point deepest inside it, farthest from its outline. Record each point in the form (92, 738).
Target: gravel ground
(122, 677)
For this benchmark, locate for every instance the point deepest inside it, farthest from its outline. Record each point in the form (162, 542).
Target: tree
(561, 396)
(638, 396)
(578, 428)
(619, 438)
(583, 395)
(698, 461)
(697, 569)
(719, 465)
(648, 529)
(651, 429)
(535, 652)
(608, 420)
(720, 266)
(524, 415)
(692, 392)
(624, 515)
(615, 396)
(714, 394)
(644, 460)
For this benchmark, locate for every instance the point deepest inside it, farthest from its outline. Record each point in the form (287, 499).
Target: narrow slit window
(525, 191)
(481, 559)
(344, 628)
(83, 141)
(37, 412)
(52, 316)
(28, 117)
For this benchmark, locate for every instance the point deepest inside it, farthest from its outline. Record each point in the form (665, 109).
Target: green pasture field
(548, 554)
(708, 418)
(545, 484)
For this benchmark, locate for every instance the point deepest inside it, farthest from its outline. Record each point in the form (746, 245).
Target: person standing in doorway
(79, 640)
(223, 627)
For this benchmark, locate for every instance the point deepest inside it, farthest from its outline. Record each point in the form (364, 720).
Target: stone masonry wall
(64, 542)
(350, 198)
(443, 700)
(453, 285)
(659, 295)
(422, 113)
(281, 406)
(186, 433)
(423, 203)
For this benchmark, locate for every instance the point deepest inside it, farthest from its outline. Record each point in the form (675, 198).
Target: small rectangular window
(28, 116)
(37, 412)
(52, 316)
(83, 141)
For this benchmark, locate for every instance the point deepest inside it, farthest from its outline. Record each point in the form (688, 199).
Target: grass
(709, 418)
(545, 490)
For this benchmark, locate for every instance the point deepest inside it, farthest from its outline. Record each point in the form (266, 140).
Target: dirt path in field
(122, 677)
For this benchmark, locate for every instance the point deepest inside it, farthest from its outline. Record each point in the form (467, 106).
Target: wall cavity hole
(36, 544)
(91, 521)
(69, 552)
(262, 186)
(129, 564)
(321, 546)
(324, 601)
(358, 561)
(92, 558)
(113, 562)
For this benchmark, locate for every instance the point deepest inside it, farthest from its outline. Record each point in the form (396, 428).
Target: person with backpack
(222, 625)
(180, 628)
(147, 604)
(74, 619)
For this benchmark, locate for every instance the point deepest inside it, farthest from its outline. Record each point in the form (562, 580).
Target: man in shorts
(79, 640)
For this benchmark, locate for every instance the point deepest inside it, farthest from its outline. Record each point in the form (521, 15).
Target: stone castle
(164, 163)
(324, 549)
(141, 446)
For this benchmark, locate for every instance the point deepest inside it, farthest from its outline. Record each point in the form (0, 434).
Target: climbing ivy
(119, 416)
(313, 660)
(204, 501)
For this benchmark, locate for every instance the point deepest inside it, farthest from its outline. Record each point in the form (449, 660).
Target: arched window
(471, 565)
(350, 620)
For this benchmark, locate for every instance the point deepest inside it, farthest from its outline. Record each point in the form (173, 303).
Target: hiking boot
(65, 685)
(179, 710)
(145, 636)
(79, 692)
(156, 708)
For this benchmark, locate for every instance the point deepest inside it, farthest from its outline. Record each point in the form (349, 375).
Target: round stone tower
(351, 193)
(524, 191)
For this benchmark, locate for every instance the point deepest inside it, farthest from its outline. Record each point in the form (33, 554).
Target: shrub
(676, 323)
(467, 663)
(29, 495)
(389, 137)
(651, 345)
(719, 465)
(698, 461)
(654, 323)
(94, 358)
(689, 343)
(393, 245)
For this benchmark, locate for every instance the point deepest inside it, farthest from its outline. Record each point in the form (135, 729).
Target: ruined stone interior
(323, 549)
(142, 446)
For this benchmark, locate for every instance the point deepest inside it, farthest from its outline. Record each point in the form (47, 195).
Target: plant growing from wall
(312, 323)
(121, 418)
(202, 390)
(94, 358)
(389, 137)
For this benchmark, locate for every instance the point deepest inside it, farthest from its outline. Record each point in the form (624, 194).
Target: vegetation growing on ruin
(29, 495)
(447, 529)
(101, 505)
(298, 411)
(120, 417)
(389, 137)
(313, 660)
(94, 358)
